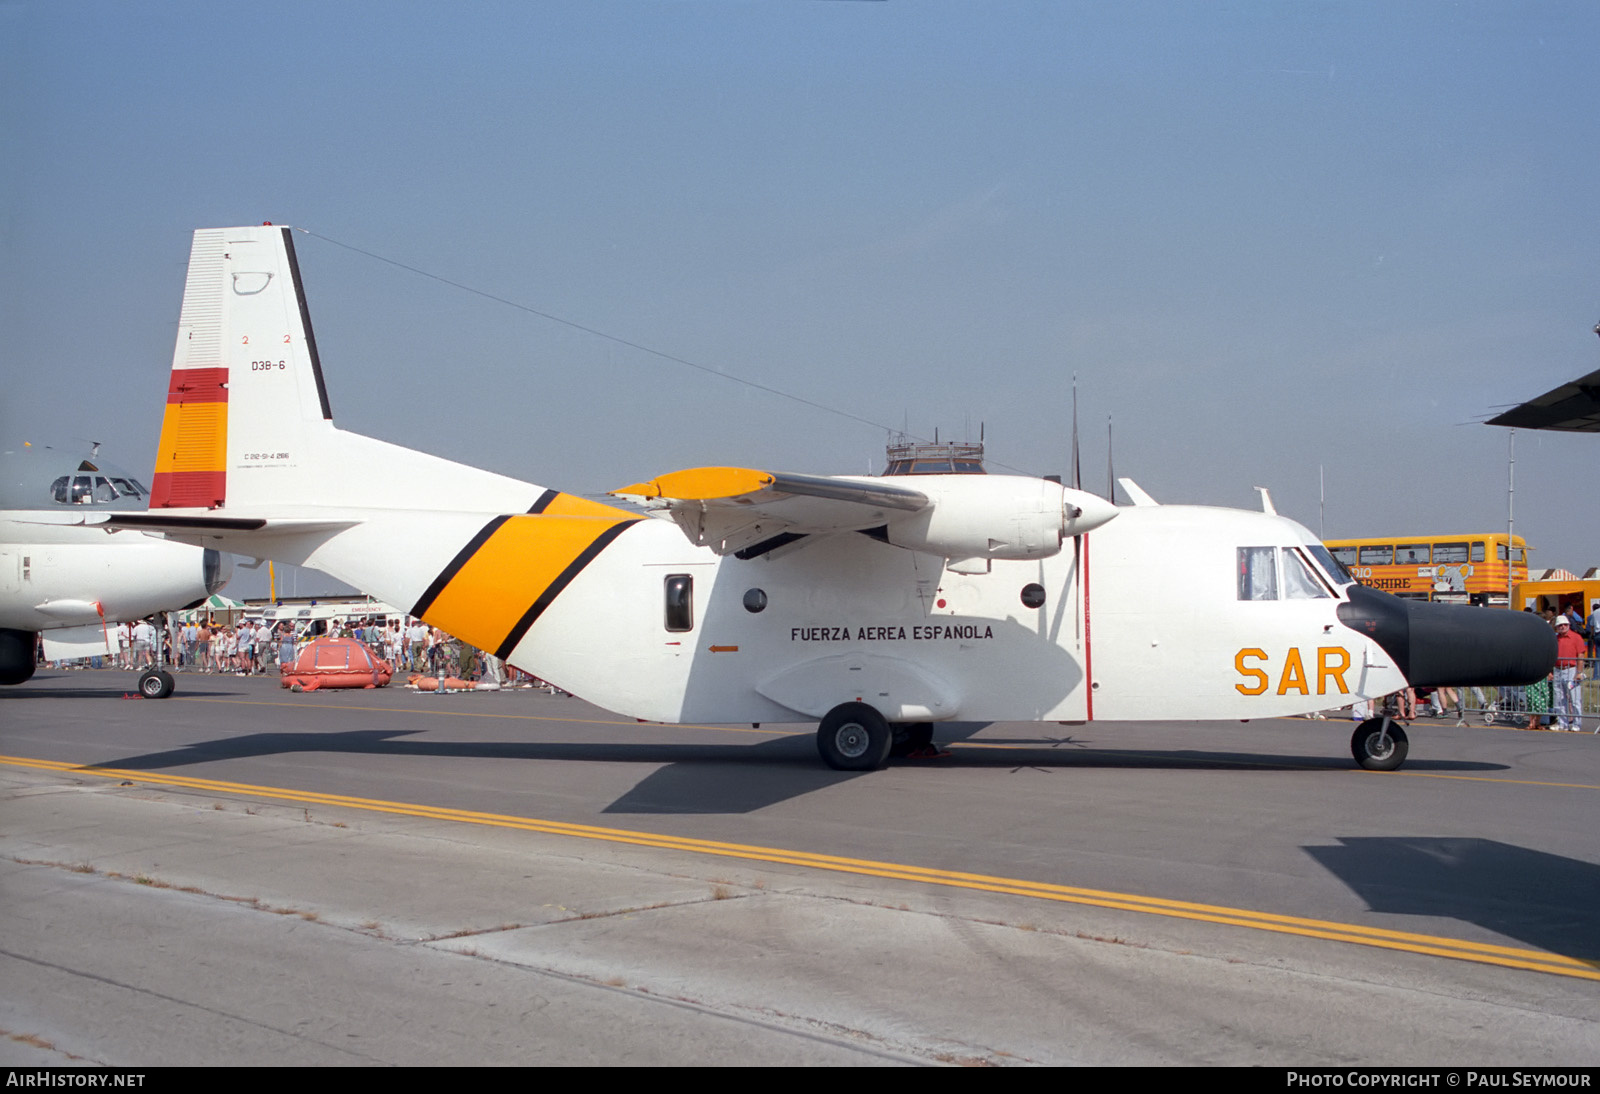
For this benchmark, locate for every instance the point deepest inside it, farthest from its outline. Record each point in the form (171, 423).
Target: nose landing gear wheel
(1377, 751)
(854, 737)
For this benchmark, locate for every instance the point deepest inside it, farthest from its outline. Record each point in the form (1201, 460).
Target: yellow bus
(1459, 569)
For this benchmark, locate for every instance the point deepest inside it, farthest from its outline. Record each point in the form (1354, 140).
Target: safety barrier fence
(1522, 705)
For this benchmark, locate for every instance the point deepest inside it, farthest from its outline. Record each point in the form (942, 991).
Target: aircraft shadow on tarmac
(1544, 900)
(130, 690)
(741, 778)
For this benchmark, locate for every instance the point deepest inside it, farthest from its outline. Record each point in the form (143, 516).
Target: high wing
(970, 520)
(729, 509)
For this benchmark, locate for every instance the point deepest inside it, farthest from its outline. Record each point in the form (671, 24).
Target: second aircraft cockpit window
(92, 489)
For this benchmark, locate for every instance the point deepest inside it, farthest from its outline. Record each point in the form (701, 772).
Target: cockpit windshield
(87, 489)
(1330, 565)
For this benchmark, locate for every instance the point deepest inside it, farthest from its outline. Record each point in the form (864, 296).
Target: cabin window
(755, 600)
(1450, 552)
(680, 602)
(1377, 556)
(1033, 595)
(1258, 573)
(1299, 579)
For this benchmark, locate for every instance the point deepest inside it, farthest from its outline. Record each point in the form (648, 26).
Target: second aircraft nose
(1437, 645)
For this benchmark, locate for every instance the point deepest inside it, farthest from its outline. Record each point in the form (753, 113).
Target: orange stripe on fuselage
(517, 569)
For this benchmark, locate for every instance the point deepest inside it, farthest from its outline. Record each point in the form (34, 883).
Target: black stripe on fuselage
(449, 572)
(554, 589)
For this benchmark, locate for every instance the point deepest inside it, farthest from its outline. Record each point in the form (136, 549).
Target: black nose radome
(1438, 645)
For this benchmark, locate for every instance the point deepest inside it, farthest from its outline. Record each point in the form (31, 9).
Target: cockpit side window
(1258, 573)
(58, 490)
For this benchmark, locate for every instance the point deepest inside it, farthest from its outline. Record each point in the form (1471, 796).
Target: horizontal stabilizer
(199, 524)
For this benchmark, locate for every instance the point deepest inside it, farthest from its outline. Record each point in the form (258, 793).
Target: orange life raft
(336, 663)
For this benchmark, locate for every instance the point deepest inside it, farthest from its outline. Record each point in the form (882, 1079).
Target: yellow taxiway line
(1481, 952)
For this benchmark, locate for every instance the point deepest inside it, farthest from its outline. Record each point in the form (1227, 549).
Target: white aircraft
(65, 580)
(879, 606)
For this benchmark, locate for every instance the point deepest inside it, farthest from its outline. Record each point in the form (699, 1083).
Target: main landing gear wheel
(155, 684)
(1377, 751)
(854, 737)
(910, 736)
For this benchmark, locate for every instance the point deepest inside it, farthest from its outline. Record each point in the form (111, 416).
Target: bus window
(1450, 552)
(1477, 551)
(1411, 554)
(1258, 573)
(1344, 556)
(1516, 553)
(1377, 556)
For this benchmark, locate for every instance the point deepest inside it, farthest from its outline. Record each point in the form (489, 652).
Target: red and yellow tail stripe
(191, 462)
(499, 584)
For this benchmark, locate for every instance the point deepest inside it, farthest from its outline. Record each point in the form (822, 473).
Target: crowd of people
(252, 646)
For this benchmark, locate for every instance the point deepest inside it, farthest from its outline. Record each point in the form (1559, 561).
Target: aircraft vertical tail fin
(248, 422)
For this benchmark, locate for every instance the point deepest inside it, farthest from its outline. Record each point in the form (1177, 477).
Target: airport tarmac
(244, 875)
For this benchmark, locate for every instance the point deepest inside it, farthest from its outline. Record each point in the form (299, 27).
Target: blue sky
(1268, 237)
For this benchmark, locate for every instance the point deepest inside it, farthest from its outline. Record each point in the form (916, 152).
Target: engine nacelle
(982, 517)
